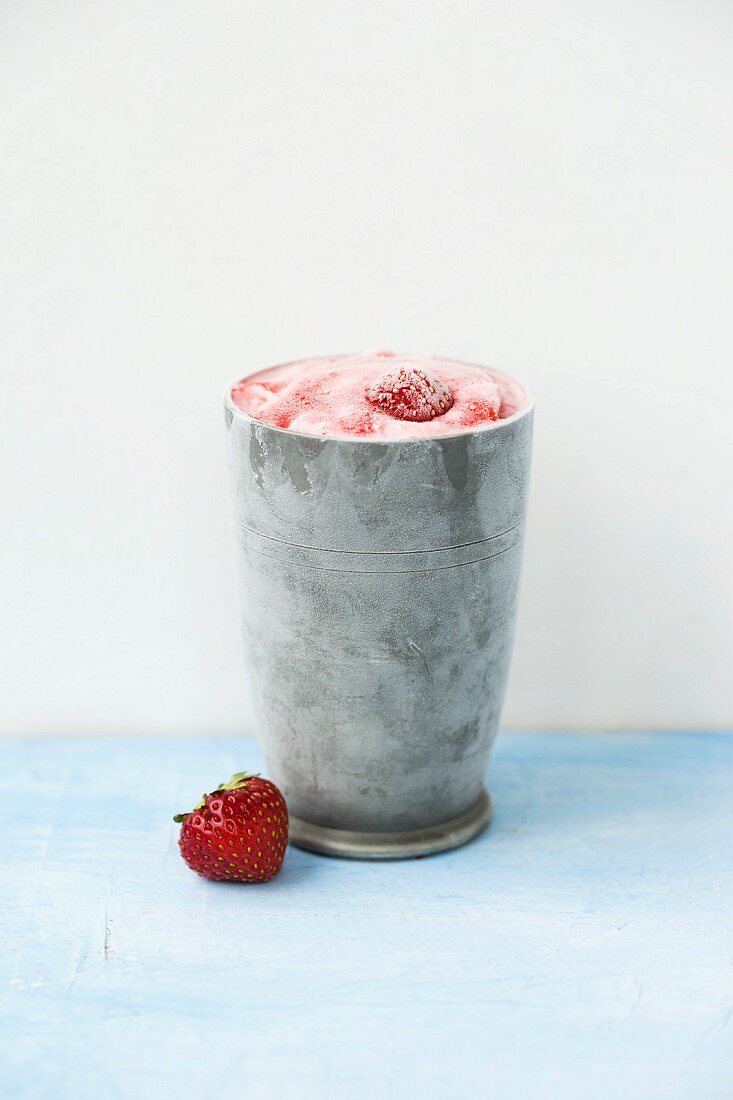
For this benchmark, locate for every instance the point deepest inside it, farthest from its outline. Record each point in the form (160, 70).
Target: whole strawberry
(238, 832)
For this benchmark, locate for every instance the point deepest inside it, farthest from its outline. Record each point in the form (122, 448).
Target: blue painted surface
(581, 948)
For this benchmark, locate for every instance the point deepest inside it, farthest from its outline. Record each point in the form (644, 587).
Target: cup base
(408, 844)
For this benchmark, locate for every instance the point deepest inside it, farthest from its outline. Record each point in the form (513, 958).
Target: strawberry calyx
(238, 780)
(237, 783)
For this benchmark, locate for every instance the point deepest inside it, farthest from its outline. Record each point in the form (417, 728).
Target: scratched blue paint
(581, 948)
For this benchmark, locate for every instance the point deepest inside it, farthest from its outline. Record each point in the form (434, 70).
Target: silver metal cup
(378, 584)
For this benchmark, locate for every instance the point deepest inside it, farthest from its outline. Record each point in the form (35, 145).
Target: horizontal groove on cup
(365, 553)
(353, 561)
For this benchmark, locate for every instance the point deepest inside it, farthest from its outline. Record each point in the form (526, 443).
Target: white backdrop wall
(194, 189)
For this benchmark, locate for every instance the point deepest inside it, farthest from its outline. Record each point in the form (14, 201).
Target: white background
(192, 190)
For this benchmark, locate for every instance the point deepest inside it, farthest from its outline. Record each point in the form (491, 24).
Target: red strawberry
(238, 832)
(409, 393)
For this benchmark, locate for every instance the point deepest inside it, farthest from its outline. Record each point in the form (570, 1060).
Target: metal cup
(378, 584)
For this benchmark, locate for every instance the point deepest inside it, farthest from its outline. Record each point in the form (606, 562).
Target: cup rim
(489, 426)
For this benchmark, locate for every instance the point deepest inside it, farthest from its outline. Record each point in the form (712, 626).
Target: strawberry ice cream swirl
(379, 395)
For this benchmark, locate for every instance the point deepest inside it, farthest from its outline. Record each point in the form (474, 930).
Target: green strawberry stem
(238, 780)
(237, 783)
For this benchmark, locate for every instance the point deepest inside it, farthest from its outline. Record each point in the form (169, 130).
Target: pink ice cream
(379, 394)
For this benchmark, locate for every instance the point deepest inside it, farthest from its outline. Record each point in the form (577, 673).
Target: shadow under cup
(378, 584)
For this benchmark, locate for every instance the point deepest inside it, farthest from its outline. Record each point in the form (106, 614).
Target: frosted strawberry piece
(478, 404)
(410, 393)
